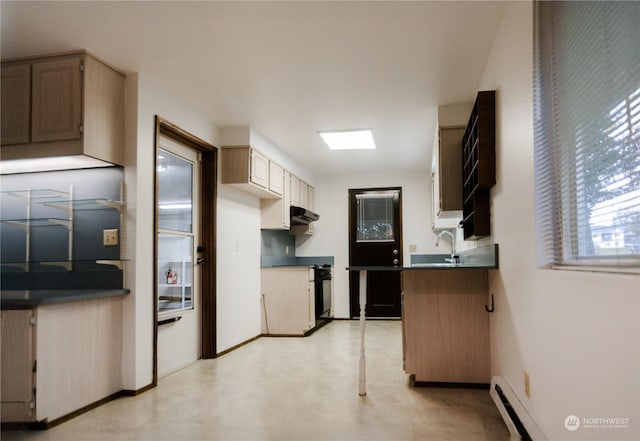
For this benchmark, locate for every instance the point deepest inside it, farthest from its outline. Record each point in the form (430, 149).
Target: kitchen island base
(446, 327)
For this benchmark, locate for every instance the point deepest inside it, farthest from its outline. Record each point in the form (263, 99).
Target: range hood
(302, 216)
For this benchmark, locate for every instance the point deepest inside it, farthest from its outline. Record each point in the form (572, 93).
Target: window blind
(587, 133)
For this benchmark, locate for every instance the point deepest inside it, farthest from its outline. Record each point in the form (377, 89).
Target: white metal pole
(363, 304)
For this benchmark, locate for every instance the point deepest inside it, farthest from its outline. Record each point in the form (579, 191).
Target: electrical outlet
(110, 237)
(527, 386)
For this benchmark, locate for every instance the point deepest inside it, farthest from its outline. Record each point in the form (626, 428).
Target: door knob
(395, 252)
(395, 261)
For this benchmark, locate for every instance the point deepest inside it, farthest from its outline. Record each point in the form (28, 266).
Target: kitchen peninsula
(62, 293)
(445, 318)
(61, 352)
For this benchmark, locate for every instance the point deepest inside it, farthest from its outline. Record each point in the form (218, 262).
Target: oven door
(326, 299)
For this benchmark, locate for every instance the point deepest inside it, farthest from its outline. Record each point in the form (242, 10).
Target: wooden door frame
(354, 309)
(208, 197)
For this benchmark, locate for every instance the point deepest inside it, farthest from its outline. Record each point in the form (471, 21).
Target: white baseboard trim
(529, 424)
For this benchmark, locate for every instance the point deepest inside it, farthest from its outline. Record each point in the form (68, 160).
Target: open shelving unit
(478, 167)
(65, 202)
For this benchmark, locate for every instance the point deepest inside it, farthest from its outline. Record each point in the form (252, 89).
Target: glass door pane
(176, 249)
(175, 272)
(375, 217)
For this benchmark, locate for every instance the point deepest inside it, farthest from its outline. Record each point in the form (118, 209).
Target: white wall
(239, 315)
(238, 252)
(576, 333)
(331, 232)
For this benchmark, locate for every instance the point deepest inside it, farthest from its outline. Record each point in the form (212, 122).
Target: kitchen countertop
(276, 262)
(27, 299)
(425, 267)
(485, 257)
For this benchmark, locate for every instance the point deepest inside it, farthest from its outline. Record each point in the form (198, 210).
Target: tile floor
(292, 389)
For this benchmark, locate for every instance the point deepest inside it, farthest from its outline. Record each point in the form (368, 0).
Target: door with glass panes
(178, 275)
(375, 239)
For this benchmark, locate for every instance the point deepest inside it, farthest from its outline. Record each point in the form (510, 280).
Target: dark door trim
(208, 194)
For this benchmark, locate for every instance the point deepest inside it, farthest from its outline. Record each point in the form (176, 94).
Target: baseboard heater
(516, 418)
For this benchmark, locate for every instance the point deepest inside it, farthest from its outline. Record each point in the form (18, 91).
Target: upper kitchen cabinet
(446, 169)
(16, 104)
(275, 213)
(479, 166)
(251, 171)
(56, 100)
(62, 105)
(450, 157)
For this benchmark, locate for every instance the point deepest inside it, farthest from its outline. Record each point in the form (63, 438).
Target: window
(587, 133)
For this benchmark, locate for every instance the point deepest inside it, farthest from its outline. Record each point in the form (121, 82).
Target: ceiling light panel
(349, 140)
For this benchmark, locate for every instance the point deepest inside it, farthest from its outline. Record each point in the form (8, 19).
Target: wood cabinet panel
(56, 95)
(295, 190)
(64, 105)
(288, 300)
(247, 169)
(17, 365)
(450, 169)
(87, 367)
(275, 213)
(304, 194)
(276, 178)
(445, 325)
(16, 104)
(259, 169)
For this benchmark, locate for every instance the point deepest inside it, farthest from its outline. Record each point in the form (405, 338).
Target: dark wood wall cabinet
(479, 166)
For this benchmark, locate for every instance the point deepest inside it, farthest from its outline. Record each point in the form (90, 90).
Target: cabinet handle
(486, 308)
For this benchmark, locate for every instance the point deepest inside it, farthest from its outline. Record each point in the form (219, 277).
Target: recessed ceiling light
(349, 139)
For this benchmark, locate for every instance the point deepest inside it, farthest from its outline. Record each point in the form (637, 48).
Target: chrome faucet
(453, 258)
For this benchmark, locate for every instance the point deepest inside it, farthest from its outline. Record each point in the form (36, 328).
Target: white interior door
(178, 235)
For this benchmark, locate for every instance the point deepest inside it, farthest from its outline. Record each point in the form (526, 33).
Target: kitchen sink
(434, 265)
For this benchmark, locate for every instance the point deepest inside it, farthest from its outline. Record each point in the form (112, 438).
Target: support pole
(363, 303)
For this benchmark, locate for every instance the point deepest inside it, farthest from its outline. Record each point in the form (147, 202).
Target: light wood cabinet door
(450, 169)
(295, 190)
(16, 104)
(56, 100)
(304, 194)
(17, 365)
(288, 300)
(276, 178)
(259, 169)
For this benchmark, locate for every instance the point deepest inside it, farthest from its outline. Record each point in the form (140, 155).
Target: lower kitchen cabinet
(288, 300)
(445, 325)
(59, 358)
(18, 363)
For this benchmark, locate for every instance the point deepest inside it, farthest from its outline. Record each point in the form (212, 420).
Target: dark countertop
(27, 299)
(485, 257)
(426, 267)
(276, 262)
